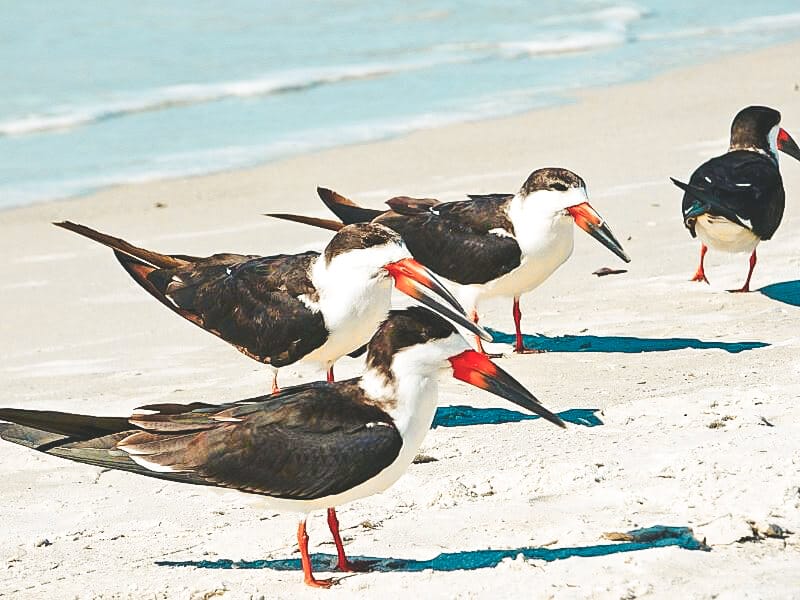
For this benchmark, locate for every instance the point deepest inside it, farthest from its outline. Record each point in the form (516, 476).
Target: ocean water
(99, 93)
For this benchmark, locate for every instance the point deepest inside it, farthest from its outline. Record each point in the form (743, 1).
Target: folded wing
(742, 186)
(441, 235)
(306, 442)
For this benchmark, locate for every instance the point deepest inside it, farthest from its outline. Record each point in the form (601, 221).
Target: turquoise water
(98, 93)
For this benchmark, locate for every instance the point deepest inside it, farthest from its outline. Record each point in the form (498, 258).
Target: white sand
(78, 335)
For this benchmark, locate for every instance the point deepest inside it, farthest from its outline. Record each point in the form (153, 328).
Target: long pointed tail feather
(695, 192)
(75, 426)
(678, 183)
(314, 221)
(347, 210)
(162, 261)
(81, 438)
(140, 272)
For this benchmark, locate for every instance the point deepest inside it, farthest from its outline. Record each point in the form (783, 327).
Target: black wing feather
(306, 442)
(450, 238)
(80, 438)
(453, 239)
(490, 197)
(251, 302)
(347, 210)
(741, 186)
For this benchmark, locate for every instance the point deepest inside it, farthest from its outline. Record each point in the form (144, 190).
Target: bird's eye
(559, 187)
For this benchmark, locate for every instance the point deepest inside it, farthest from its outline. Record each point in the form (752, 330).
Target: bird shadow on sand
(787, 292)
(658, 536)
(623, 344)
(460, 415)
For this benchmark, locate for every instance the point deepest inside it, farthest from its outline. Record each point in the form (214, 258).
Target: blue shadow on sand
(658, 536)
(460, 415)
(624, 344)
(787, 292)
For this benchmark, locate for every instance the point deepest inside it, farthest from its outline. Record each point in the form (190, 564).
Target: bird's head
(370, 251)
(757, 128)
(560, 192)
(415, 342)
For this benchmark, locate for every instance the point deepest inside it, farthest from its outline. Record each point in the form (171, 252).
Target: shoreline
(685, 395)
(577, 96)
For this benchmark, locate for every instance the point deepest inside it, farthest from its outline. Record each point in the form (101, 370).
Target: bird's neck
(408, 395)
(349, 293)
(767, 146)
(537, 225)
(752, 148)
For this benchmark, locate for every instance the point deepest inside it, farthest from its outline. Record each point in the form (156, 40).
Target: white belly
(535, 268)
(543, 251)
(722, 234)
(352, 319)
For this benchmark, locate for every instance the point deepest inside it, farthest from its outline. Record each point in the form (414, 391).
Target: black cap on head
(359, 236)
(751, 127)
(405, 328)
(551, 178)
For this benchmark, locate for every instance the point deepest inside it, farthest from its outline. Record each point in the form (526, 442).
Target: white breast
(546, 242)
(722, 234)
(545, 236)
(354, 298)
(352, 314)
(545, 246)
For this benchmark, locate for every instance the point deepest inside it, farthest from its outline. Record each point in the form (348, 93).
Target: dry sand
(693, 392)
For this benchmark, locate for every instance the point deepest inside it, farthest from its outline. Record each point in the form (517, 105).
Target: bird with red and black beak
(489, 245)
(734, 201)
(286, 308)
(309, 447)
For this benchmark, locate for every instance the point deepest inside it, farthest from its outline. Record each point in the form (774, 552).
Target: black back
(305, 442)
(251, 302)
(742, 186)
(453, 240)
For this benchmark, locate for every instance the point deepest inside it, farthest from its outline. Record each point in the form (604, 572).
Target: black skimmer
(309, 447)
(735, 200)
(489, 245)
(288, 307)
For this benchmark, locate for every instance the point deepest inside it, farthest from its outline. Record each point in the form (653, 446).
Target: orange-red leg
(478, 341)
(330, 374)
(275, 388)
(519, 345)
(305, 559)
(344, 563)
(700, 274)
(746, 286)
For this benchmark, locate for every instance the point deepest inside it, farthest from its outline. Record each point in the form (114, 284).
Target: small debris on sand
(608, 271)
(421, 459)
(767, 530)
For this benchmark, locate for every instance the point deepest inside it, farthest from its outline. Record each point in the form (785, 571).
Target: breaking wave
(189, 94)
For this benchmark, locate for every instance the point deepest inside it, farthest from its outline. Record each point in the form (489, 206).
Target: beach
(681, 399)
